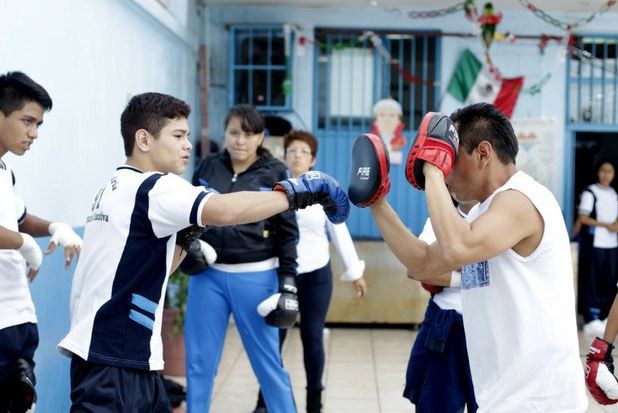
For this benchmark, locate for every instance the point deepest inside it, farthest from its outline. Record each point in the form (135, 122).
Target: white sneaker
(595, 328)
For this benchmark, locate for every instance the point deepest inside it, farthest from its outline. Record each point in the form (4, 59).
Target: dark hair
(602, 161)
(251, 121)
(149, 111)
(17, 89)
(483, 122)
(300, 135)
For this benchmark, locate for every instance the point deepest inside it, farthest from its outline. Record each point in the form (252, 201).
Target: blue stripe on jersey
(141, 319)
(116, 340)
(144, 303)
(196, 204)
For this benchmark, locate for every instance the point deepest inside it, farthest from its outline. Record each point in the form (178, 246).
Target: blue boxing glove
(316, 187)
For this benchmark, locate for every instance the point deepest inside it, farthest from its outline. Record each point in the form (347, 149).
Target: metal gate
(355, 68)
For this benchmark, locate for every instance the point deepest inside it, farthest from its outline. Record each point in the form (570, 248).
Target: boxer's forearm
(10, 240)
(35, 226)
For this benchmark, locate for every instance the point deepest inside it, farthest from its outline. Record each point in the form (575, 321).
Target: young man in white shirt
(598, 213)
(514, 254)
(23, 103)
(131, 246)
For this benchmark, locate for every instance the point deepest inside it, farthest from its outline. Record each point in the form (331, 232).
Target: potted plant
(173, 321)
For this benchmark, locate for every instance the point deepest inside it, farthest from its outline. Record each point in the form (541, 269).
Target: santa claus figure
(388, 124)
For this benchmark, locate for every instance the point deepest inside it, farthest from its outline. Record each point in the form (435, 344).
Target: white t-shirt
(120, 280)
(449, 298)
(16, 305)
(313, 244)
(519, 317)
(606, 212)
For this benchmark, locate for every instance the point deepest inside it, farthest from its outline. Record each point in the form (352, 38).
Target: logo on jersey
(475, 275)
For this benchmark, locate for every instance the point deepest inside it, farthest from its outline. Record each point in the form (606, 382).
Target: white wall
(519, 59)
(91, 56)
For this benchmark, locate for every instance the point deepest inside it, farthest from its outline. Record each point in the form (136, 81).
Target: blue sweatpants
(213, 296)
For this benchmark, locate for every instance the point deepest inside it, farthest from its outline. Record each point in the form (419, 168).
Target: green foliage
(176, 297)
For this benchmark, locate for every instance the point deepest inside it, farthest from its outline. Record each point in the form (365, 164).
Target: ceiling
(587, 6)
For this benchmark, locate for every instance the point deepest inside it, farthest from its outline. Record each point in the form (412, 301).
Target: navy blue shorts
(438, 377)
(16, 342)
(98, 388)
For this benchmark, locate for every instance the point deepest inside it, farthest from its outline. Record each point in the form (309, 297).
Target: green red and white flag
(474, 82)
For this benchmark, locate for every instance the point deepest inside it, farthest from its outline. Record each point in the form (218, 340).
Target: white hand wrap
(31, 251)
(209, 252)
(64, 235)
(455, 279)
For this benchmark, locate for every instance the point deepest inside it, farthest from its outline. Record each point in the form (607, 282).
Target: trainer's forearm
(409, 250)
(35, 226)
(450, 229)
(10, 240)
(243, 207)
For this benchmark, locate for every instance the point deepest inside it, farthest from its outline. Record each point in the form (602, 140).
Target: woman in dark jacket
(251, 259)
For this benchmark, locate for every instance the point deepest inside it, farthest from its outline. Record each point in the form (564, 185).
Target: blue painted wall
(51, 291)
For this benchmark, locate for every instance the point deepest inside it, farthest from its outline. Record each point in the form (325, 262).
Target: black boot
(260, 406)
(314, 401)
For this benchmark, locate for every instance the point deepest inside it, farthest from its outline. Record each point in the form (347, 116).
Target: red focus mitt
(370, 165)
(436, 142)
(600, 379)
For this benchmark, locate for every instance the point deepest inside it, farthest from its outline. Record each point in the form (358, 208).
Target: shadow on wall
(51, 292)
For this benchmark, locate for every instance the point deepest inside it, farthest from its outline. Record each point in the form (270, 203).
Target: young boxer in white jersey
(514, 254)
(130, 249)
(23, 103)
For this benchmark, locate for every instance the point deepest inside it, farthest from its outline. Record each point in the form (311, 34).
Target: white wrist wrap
(455, 279)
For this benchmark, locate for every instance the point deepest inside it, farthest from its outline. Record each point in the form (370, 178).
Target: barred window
(356, 68)
(593, 80)
(259, 67)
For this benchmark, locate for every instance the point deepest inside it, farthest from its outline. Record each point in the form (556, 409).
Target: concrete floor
(364, 372)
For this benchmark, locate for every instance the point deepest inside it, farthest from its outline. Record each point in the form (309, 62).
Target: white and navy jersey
(120, 280)
(16, 305)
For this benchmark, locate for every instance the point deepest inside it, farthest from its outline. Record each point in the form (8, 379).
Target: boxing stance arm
(243, 207)
(511, 221)
(9, 240)
(413, 253)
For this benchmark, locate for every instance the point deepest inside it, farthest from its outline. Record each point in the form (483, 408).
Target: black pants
(98, 388)
(601, 284)
(16, 342)
(315, 290)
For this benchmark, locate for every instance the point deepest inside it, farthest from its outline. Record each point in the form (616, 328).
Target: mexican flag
(472, 83)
